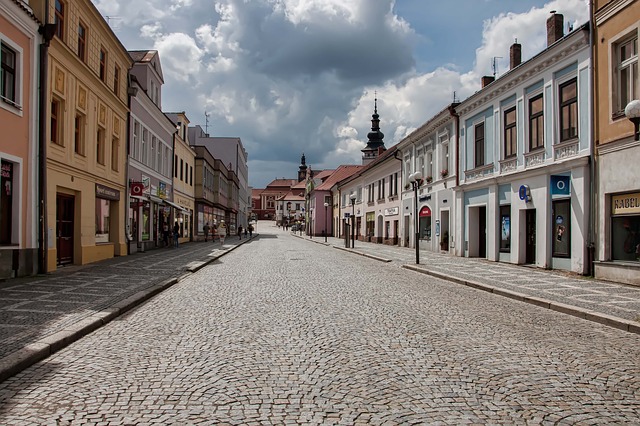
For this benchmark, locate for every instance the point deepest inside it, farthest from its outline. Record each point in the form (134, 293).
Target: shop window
(536, 123)
(6, 203)
(505, 229)
(102, 220)
(625, 238)
(561, 238)
(146, 221)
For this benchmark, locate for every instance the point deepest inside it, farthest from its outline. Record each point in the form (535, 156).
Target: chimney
(487, 80)
(555, 25)
(515, 55)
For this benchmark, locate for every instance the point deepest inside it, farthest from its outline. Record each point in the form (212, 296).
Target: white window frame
(625, 39)
(14, 106)
(557, 109)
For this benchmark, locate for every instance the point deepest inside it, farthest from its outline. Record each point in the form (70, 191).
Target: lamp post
(311, 218)
(325, 221)
(352, 197)
(632, 111)
(416, 180)
(288, 216)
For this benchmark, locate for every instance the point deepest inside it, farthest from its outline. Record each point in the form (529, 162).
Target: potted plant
(407, 186)
(444, 173)
(444, 241)
(429, 179)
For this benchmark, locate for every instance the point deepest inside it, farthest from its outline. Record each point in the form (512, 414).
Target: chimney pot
(555, 30)
(486, 80)
(515, 55)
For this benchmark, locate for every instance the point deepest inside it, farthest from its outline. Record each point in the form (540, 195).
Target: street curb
(370, 256)
(24, 358)
(608, 320)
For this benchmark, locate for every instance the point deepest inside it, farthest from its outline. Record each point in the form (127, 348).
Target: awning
(155, 199)
(137, 197)
(177, 207)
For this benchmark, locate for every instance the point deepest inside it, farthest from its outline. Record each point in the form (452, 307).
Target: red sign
(137, 188)
(425, 212)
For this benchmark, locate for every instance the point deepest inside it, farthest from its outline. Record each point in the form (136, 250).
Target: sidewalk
(42, 314)
(612, 304)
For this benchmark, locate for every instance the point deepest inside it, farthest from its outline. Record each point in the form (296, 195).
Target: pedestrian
(176, 234)
(206, 231)
(245, 232)
(165, 234)
(240, 232)
(250, 230)
(222, 230)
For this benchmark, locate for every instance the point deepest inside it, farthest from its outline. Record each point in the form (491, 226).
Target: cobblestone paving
(281, 331)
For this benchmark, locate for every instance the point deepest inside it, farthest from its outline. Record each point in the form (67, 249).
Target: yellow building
(86, 135)
(184, 158)
(617, 23)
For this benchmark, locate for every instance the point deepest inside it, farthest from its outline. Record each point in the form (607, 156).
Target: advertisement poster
(505, 228)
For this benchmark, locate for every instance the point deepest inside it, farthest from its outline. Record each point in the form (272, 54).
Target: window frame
(536, 117)
(567, 104)
(81, 51)
(58, 18)
(78, 133)
(510, 133)
(116, 80)
(479, 141)
(505, 212)
(620, 66)
(102, 64)
(13, 70)
(556, 228)
(100, 145)
(115, 154)
(56, 120)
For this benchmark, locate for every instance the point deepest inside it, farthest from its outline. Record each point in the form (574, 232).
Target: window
(181, 169)
(159, 157)
(479, 145)
(134, 145)
(505, 229)
(145, 136)
(102, 220)
(536, 123)
(78, 134)
(421, 163)
(152, 157)
(56, 122)
(625, 238)
(510, 148)
(103, 65)
(115, 153)
(627, 72)
(9, 75)
(58, 19)
(561, 238)
(393, 184)
(370, 196)
(100, 146)
(445, 155)
(569, 110)
(7, 182)
(191, 175)
(82, 42)
(175, 166)
(116, 80)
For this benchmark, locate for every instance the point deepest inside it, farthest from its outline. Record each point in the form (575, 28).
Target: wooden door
(64, 228)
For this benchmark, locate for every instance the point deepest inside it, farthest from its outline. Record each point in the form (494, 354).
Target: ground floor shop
(85, 220)
(618, 204)
(212, 217)
(433, 212)
(541, 219)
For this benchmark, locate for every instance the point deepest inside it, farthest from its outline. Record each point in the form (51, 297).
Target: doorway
(482, 232)
(65, 206)
(530, 246)
(477, 242)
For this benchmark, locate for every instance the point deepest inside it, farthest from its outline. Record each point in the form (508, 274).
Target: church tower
(302, 171)
(375, 145)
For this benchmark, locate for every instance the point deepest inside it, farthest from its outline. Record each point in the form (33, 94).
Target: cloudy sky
(299, 76)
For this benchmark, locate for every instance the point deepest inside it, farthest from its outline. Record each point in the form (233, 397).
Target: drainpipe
(131, 92)
(395, 155)
(47, 30)
(593, 210)
(454, 114)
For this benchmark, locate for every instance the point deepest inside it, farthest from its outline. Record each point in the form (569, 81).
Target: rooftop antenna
(115, 25)
(206, 123)
(494, 64)
(455, 98)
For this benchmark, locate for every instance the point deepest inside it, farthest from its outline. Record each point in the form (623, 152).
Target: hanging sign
(137, 188)
(425, 212)
(560, 185)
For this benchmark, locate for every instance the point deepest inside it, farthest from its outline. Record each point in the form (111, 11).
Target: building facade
(19, 155)
(617, 152)
(525, 143)
(86, 135)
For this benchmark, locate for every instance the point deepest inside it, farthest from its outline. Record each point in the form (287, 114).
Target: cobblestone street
(283, 331)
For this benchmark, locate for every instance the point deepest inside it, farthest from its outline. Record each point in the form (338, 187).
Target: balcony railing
(533, 158)
(478, 172)
(508, 165)
(566, 149)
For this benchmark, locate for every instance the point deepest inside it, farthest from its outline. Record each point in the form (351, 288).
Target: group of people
(222, 231)
(176, 234)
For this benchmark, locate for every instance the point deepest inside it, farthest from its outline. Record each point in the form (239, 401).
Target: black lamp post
(353, 219)
(632, 111)
(311, 220)
(288, 215)
(325, 221)
(416, 180)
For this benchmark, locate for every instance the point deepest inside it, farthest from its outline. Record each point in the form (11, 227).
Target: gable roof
(282, 182)
(342, 172)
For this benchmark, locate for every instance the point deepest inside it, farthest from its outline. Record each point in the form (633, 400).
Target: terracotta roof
(291, 196)
(283, 182)
(342, 172)
(384, 156)
(142, 55)
(256, 192)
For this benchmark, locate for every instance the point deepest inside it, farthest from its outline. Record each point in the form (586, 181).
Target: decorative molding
(533, 158)
(508, 165)
(59, 81)
(116, 126)
(82, 98)
(478, 172)
(102, 114)
(566, 149)
(610, 10)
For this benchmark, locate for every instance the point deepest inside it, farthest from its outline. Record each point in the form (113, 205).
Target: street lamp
(325, 221)
(352, 197)
(288, 215)
(416, 180)
(311, 218)
(632, 111)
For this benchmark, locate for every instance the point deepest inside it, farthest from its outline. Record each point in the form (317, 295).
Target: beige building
(86, 135)
(617, 152)
(184, 159)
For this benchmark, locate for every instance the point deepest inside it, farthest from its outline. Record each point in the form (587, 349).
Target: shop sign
(560, 185)
(625, 204)
(136, 188)
(392, 211)
(7, 169)
(107, 193)
(425, 212)
(371, 216)
(162, 190)
(146, 182)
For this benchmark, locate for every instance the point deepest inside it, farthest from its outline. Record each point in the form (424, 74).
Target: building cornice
(610, 10)
(617, 145)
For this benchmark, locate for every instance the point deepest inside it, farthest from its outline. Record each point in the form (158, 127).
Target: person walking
(206, 231)
(165, 234)
(250, 227)
(176, 234)
(222, 230)
(240, 232)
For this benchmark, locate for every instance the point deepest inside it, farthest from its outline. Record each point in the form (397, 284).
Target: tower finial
(375, 105)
